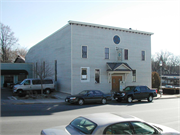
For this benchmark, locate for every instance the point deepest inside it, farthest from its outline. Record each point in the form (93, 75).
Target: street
(32, 118)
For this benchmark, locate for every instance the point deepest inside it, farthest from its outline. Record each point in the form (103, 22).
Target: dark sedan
(89, 96)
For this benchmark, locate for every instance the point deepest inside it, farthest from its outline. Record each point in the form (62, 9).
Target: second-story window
(84, 51)
(125, 54)
(106, 53)
(143, 55)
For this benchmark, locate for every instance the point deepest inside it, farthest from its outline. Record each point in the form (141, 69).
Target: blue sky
(34, 20)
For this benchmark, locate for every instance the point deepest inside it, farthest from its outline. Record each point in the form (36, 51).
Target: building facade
(92, 56)
(15, 72)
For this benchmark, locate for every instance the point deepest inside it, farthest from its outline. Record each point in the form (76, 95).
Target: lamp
(160, 64)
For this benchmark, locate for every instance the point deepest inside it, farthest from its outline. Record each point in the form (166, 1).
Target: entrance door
(115, 83)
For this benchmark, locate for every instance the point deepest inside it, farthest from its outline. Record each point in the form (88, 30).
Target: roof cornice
(110, 27)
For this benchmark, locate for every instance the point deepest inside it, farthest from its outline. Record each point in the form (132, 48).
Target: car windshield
(129, 88)
(83, 92)
(22, 82)
(84, 125)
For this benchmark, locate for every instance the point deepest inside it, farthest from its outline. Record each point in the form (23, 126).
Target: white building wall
(65, 46)
(55, 47)
(96, 40)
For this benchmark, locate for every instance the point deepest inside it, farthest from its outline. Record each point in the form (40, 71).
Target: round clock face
(116, 39)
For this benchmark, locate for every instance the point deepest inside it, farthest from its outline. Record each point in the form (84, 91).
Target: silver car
(108, 123)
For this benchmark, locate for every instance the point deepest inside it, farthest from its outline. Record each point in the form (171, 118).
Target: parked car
(169, 86)
(12, 84)
(34, 85)
(88, 96)
(108, 123)
(131, 93)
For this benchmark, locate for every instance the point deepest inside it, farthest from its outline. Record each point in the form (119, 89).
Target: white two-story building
(91, 56)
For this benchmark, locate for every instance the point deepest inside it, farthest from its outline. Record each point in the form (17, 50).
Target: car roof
(109, 118)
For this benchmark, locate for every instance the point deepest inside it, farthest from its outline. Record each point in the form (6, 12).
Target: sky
(33, 20)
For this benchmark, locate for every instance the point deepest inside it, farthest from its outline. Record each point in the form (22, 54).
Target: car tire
(103, 101)
(150, 98)
(129, 99)
(20, 93)
(81, 102)
(118, 100)
(47, 91)
(139, 100)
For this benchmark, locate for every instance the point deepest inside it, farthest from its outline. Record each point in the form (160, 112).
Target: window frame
(95, 76)
(87, 74)
(86, 51)
(95, 125)
(129, 123)
(134, 77)
(156, 131)
(143, 57)
(106, 53)
(125, 54)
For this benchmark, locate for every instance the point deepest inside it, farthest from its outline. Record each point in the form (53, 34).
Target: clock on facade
(116, 39)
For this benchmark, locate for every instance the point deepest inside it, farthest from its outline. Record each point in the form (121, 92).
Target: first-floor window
(134, 75)
(84, 74)
(143, 55)
(97, 76)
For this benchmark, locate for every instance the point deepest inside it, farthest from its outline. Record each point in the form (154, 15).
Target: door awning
(118, 66)
(14, 72)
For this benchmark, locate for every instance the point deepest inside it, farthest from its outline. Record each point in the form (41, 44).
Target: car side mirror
(135, 90)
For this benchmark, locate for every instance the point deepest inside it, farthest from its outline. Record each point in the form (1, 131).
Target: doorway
(116, 83)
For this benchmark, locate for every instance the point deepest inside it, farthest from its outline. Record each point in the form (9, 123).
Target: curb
(21, 102)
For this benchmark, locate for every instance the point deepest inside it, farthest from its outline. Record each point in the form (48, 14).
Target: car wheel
(139, 100)
(103, 101)
(81, 102)
(47, 91)
(129, 99)
(20, 93)
(118, 100)
(150, 98)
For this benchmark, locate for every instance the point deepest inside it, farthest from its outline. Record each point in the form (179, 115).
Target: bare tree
(7, 41)
(42, 71)
(19, 51)
(170, 63)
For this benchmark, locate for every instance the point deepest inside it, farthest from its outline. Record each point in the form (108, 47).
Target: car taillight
(156, 91)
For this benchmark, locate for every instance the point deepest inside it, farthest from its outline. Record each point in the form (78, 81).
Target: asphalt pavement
(55, 97)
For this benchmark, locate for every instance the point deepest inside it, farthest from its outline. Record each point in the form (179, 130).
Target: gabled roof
(19, 59)
(118, 66)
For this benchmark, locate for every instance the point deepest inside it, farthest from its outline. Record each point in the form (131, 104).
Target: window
(36, 82)
(83, 125)
(143, 88)
(84, 51)
(106, 53)
(126, 54)
(143, 55)
(119, 128)
(84, 74)
(97, 76)
(137, 89)
(97, 92)
(27, 82)
(142, 128)
(47, 81)
(134, 75)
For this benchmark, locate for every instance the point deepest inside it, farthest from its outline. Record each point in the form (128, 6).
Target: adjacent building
(91, 56)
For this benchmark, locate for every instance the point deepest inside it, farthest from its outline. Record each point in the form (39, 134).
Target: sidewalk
(59, 97)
